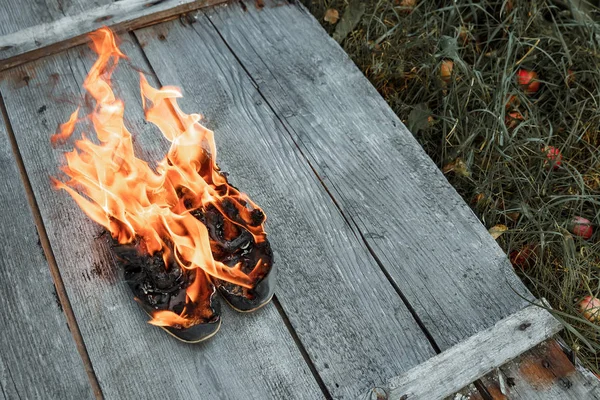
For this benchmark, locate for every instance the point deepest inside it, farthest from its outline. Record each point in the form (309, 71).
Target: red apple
(523, 258)
(528, 80)
(553, 157)
(581, 227)
(590, 307)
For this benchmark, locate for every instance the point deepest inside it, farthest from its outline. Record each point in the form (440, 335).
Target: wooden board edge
(135, 20)
(470, 360)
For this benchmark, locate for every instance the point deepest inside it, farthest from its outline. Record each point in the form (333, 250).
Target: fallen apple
(581, 227)
(590, 307)
(523, 258)
(528, 80)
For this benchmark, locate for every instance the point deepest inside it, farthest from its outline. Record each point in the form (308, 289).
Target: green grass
(494, 161)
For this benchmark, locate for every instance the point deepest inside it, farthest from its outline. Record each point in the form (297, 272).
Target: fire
(135, 202)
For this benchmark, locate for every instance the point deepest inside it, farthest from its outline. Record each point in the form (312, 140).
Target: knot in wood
(524, 326)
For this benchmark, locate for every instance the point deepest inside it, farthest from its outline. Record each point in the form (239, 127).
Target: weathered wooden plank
(58, 34)
(471, 359)
(352, 323)
(13, 18)
(438, 254)
(28, 13)
(252, 357)
(543, 373)
(38, 356)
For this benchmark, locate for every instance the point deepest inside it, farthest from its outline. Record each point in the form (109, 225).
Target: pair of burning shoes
(185, 302)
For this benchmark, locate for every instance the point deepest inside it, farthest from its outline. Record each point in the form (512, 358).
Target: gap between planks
(302, 349)
(49, 38)
(54, 271)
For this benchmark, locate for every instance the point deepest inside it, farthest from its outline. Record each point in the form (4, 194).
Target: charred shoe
(182, 302)
(241, 243)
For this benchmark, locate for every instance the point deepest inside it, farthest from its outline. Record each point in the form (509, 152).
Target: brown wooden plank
(352, 323)
(38, 356)
(543, 373)
(253, 356)
(59, 33)
(425, 237)
(471, 359)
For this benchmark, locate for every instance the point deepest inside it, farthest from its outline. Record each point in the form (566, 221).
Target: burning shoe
(180, 231)
(164, 293)
(238, 248)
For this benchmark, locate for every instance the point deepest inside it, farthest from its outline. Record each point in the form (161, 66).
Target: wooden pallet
(382, 264)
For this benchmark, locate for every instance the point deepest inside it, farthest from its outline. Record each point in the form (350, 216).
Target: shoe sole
(251, 310)
(192, 341)
(220, 321)
(189, 341)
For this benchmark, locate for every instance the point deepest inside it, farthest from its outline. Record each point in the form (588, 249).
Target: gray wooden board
(28, 13)
(352, 323)
(67, 31)
(39, 359)
(439, 255)
(252, 357)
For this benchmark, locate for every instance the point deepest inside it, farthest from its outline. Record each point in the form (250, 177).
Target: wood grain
(59, 33)
(543, 373)
(39, 358)
(29, 13)
(252, 357)
(471, 359)
(425, 237)
(352, 323)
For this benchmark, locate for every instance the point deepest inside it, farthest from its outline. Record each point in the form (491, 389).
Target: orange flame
(127, 197)
(65, 130)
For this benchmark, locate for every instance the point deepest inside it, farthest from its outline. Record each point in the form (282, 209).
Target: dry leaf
(477, 198)
(408, 5)
(332, 16)
(497, 230)
(513, 215)
(458, 166)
